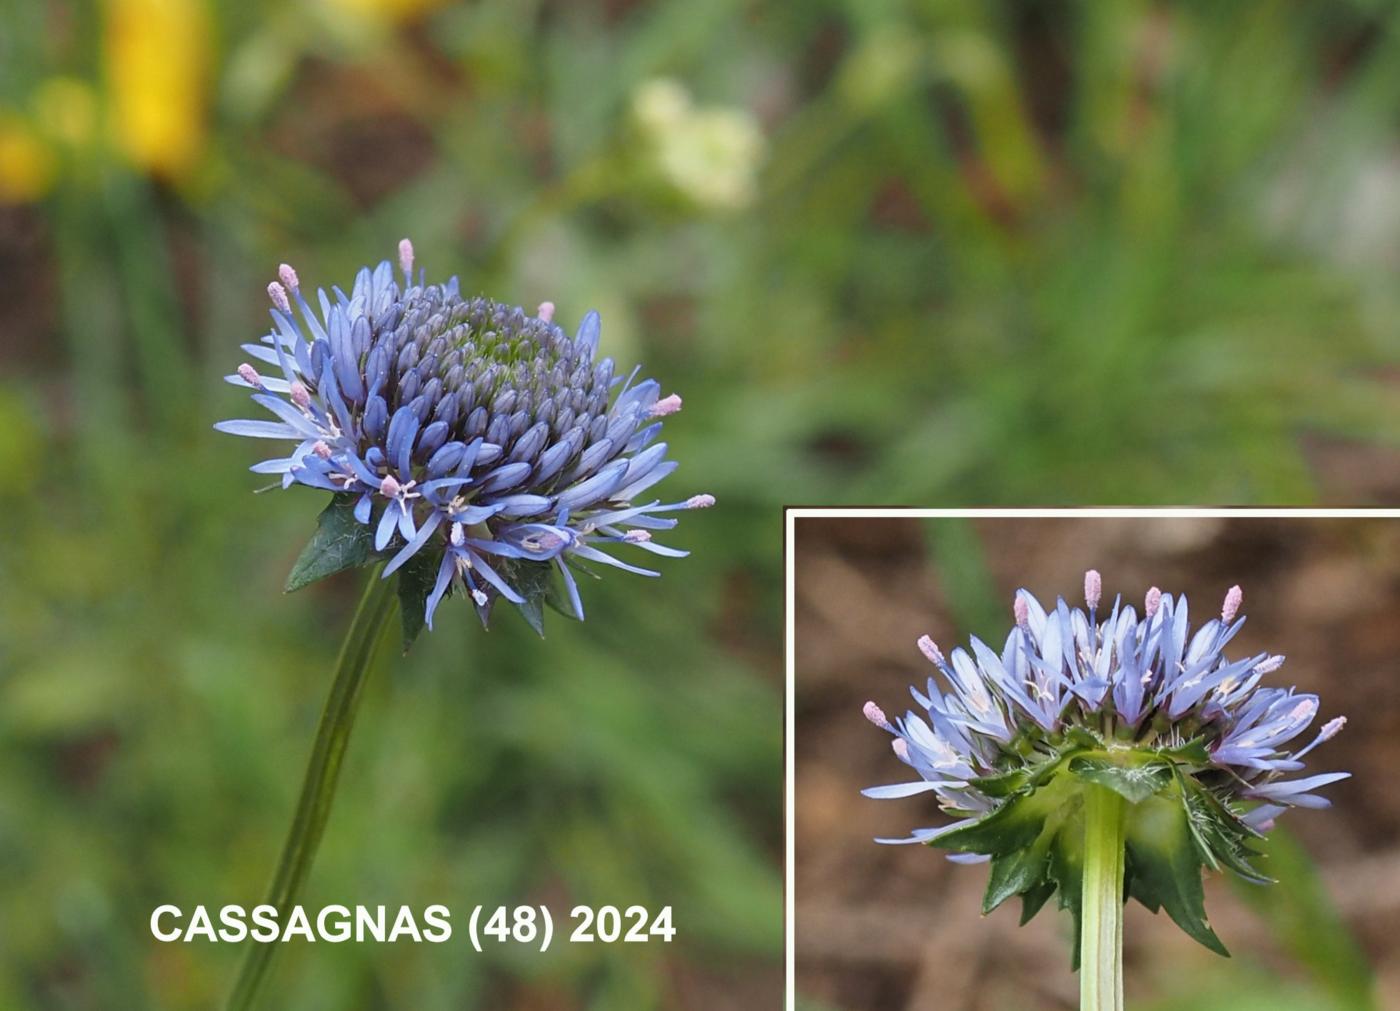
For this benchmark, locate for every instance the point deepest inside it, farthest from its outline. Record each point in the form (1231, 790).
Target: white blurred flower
(661, 104)
(709, 154)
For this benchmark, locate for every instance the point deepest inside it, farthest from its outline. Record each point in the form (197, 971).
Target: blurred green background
(899, 252)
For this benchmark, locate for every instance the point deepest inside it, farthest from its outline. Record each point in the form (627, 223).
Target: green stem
(318, 789)
(1101, 928)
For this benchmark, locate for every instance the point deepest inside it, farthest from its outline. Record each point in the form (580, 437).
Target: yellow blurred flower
(710, 154)
(157, 54)
(26, 163)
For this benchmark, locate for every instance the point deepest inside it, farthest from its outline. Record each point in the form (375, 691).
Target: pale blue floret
(462, 425)
(1147, 677)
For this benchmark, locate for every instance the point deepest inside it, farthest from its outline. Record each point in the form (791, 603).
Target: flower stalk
(375, 613)
(1101, 928)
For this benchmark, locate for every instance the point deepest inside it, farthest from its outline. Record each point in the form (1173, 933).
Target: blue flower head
(480, 447)
(1204, 753)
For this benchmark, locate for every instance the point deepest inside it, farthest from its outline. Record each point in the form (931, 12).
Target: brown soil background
(894, 927)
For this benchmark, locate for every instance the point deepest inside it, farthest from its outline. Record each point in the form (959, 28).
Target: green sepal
(340, 542)
(1193, 752)
(1134, 783)
(1001, 784)
(1166, 866)
(416, 579)
(1081, 738)
(1004, 784)
(1222, 813)
(1221, 838)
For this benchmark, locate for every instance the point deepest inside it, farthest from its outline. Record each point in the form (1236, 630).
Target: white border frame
(794, 513)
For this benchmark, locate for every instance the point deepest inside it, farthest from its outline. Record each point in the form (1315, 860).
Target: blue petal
(411, 548)
(385, 530)
(258, 429)
(897, 790)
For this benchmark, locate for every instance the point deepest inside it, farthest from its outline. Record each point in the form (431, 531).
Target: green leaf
(340, 542)
(1135, 783)
(1015, 824)
(1014, 873)
(416, 580)
(1024, 870)
(539, 584)
(1066, 868)
(1166, 867)
(1133, 887)
(1035, 897)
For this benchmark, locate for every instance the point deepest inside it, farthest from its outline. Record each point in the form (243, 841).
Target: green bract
(1174, 827)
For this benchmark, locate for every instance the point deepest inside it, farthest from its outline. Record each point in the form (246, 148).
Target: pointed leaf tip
(416, 578)
(340, 542)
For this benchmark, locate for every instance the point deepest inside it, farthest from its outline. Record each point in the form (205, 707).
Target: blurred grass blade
(1308, 925)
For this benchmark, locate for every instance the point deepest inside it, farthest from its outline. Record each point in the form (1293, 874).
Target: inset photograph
(1095, 759)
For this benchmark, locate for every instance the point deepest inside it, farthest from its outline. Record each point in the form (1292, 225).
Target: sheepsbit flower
(464, 431)
(1203, 752)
